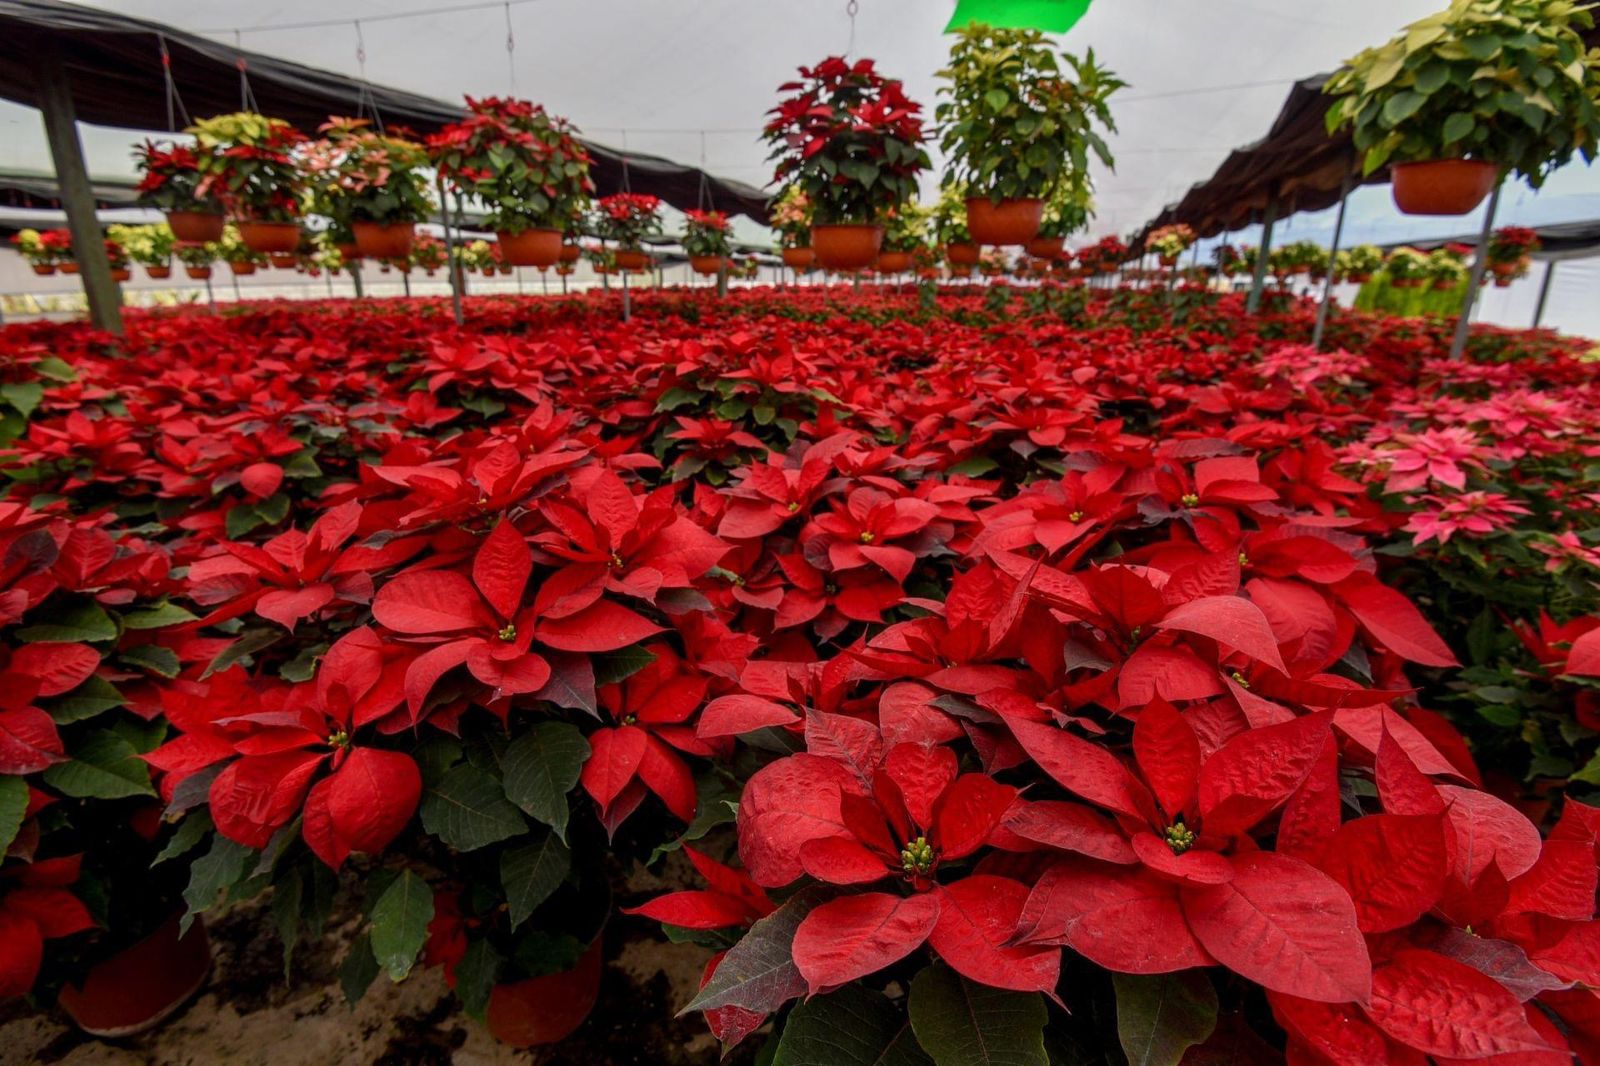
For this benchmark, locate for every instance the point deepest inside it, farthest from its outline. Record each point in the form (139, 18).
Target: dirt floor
(248, 1016)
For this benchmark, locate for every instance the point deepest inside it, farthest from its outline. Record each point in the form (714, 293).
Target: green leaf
(159, 660)
(962, 1023)
(103, 765)
(758, 973)
(475, 977)
(400, 920)
(468, 810)
(854, 1026)
(996, 99)
(158, 617)
(22, 395)
(84, 622)
(253, 641)
(191, 830)
(1432, 77)
(1457, 126)
(55, 369)
(95, 696)
(541, 767)
(1401, 106)
(358, 970)
(614, 666)
(13, 805)
(1161, 1016)
(212, 875)
(531, 871)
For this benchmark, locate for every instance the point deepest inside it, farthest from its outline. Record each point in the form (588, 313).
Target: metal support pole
(453, 264)
(355, 275)
(1544, 292)
(627, 299)
(405, 279)
(1480, 261)
(77, 195)
(1253, 304)
(1333, 254)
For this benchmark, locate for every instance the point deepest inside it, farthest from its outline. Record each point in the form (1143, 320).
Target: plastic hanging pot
(44, 269)
(546, 1010)
(380, 240)
(1442, 186)
(159, 272)
(269, 237)
(143, 984)
(195, 227)
(283, 261)
(531, 247)
(121, 274)
(636, 259)
(200, 273)
(704, 264)
(894, 262)
(962, 254)
(1006, 222)
(1046, 247)
(242, 269)
(69, 267)
(798, 258)
(848, 246)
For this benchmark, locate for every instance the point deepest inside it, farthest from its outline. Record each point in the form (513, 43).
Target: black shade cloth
(114, 65)
(30, 189)
(1561, 240)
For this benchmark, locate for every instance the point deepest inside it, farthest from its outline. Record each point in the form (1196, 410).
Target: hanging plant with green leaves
(1017, 119)
(1508, 82)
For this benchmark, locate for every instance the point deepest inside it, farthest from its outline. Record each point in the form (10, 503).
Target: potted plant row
(46, 251)
(1482, 89)
(1509, 252)
(1015, 125)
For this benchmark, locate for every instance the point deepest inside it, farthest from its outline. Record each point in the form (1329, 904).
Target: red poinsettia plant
(849, 139)
(707, 233)
(170, 178)
(627, 218)
(526, 166)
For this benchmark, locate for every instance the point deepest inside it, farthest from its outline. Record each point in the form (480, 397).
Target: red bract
(36, 905)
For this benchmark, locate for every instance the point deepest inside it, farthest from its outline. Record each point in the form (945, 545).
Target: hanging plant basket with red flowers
(248, 163)
(628, 219)
(851, 141)
(170, 181)
(372, 183)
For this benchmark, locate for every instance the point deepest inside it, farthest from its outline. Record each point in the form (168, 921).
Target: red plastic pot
(159, 272)
(195, 227)
(798, 258)
(531, 247)
(121, 274)
(1442, 186)
(378, 240)
(44, 269)
(283, 261)
(1359, 279)
(704, 264)
(1006, 222)
(69, 268)
(894, 262)
(962, 255)
(546, 1010)
(846, 246)
(631, 259)
(348, 252)
(242, 269)
(140, 986)
(198, 273)
(570, 253)
(1046, 247)
(269, 237)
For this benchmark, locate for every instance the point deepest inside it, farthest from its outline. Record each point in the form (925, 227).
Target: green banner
(1051, 16)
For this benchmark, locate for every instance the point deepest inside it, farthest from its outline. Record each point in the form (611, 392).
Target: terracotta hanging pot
(381, 240)
(531, 247)
(962, 254)
(159, 272)
(121, 274)
(546, 1010)
(242, 269)
(283, 261)
(1358, 279)
(268, 237)
(631, 259)
(44, 269)
(198, 273)
(849, 246)
(69, 267)
(705, 264)
(141, 985)
(503, 268)
(1442, 186)
(961, 270)
(570, 253)
(1008, 222)
(196, 227)
(798, 258)
(348, 252)
(894, 262)
(1046, 247)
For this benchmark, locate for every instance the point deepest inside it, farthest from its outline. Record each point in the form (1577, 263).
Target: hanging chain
(850, 9)
(366, 100)
(247, 96)
(511, 48)
(174, 98)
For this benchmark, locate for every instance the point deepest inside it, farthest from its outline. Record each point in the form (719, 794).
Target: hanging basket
(269, 237)
(1046, 247)
(44, 270)
(631, 259)
(121, 274)
(705, 264)
(1442, 186)
(531, 247)
(380, 240)
(846, 247)
(159, 273)
(962, 254)
(195, 227)
(894, 262)
(798, 258)
(197, 273)
(1008, 222)
(69, 267)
